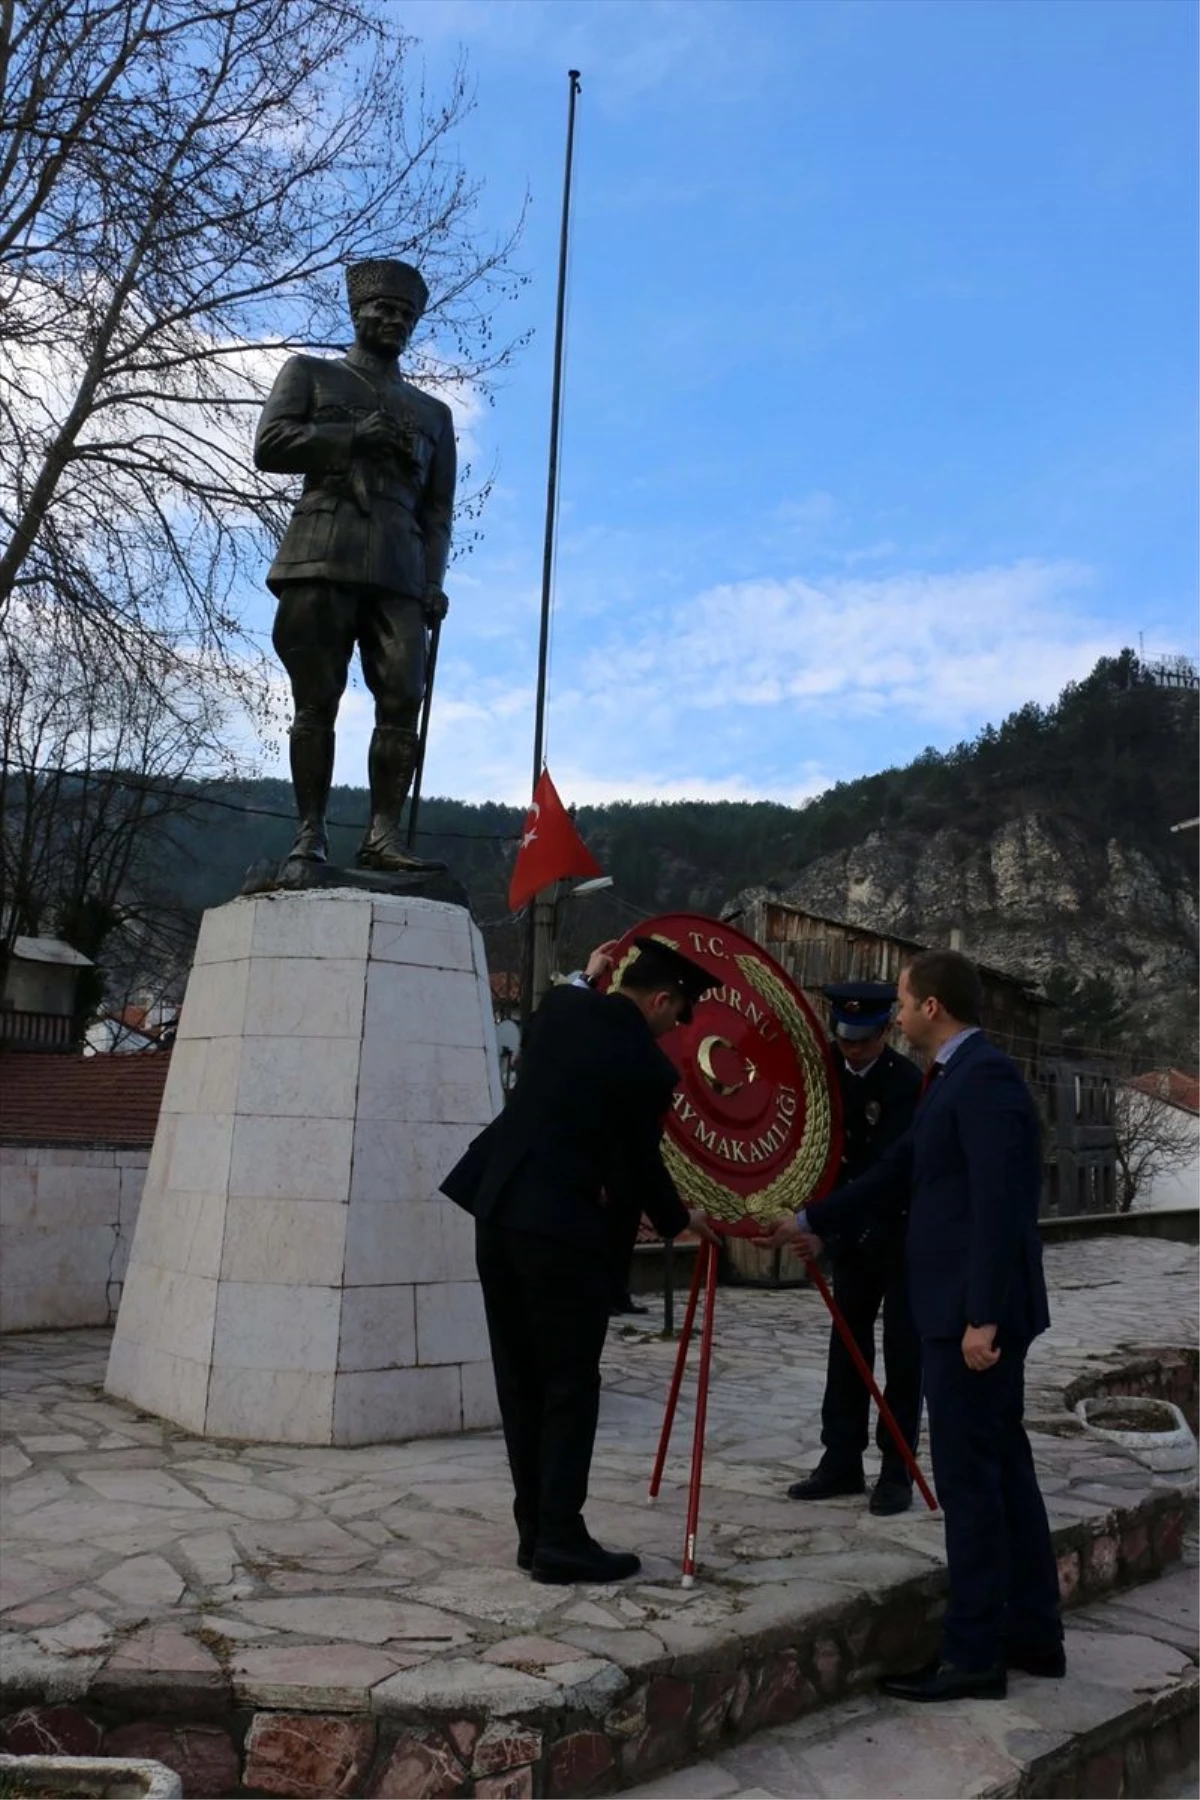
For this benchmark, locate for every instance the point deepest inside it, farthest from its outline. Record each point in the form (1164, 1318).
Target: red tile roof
(100, 1100)
(1171, 1085)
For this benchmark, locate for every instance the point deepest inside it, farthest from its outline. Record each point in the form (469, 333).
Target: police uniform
(577, 1144)
(869, 1276)
(366, 545)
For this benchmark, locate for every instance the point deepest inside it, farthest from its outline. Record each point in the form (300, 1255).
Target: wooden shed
(815, 950)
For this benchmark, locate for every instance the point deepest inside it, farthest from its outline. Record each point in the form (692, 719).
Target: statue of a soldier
(364, 556)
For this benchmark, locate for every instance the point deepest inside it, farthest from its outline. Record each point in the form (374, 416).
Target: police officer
(879, 1089)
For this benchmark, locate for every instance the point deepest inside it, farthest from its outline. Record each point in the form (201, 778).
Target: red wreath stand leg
(705, 1272)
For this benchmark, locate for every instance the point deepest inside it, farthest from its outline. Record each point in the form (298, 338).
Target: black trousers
(864, 1283)
(621, 1231)
(999, 1554)
(547, 1314)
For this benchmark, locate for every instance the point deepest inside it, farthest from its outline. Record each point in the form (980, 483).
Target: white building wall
(1175, 1187)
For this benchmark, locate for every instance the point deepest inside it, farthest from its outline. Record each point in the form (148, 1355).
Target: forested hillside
(1047, 840)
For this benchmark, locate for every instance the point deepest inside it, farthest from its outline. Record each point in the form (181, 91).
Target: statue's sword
(414, 804)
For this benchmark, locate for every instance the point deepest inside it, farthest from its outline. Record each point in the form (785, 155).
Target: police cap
(861, 1009)
(662, 962)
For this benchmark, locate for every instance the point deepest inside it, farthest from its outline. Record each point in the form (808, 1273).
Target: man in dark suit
(979, 1299)
(879, 1093)
(364, 555)
(580, 1134)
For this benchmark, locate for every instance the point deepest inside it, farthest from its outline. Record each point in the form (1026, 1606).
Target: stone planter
(1155, 1431)
(87, 1778)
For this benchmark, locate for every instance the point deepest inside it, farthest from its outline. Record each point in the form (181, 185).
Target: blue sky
(881, 386)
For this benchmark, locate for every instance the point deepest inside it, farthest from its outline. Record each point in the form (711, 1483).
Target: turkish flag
(550, 847)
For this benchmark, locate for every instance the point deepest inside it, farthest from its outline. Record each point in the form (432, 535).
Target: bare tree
(98, 760)
(180, 186)
(1153, 1138)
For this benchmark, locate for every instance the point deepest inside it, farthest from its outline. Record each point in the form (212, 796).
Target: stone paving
(149, 1572)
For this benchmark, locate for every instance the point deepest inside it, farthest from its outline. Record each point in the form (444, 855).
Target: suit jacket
(877, 1110)
(372, 522)
(972, 1166)
(584, 1121)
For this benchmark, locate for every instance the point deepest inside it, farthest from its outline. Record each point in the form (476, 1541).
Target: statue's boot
(311, 752)
(390, 766)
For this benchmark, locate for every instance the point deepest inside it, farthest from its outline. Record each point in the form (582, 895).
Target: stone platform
(1123, 1722)
(309, 1621)
(295, 1276)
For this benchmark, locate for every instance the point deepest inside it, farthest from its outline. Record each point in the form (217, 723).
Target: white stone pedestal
(295, 1276)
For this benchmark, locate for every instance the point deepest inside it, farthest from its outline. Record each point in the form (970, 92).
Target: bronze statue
(364, 555)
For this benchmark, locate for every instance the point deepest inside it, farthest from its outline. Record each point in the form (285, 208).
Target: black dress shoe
(626, 1304)
(890, 1496)
(525, 1555)
(1049, 1660)
(590, 1563)
(946, 1681)
(828, 1484)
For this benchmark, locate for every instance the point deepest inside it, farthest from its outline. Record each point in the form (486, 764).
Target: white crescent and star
(704, 1056)
(531, 819)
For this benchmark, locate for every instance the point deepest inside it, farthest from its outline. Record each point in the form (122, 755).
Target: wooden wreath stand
(705, 1273)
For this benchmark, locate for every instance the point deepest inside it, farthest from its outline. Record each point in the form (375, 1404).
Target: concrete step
(1123, 1722)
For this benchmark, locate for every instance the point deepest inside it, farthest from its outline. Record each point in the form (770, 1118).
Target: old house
(37, 1000)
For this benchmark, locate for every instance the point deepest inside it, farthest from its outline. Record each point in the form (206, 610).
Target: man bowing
(579, 1137)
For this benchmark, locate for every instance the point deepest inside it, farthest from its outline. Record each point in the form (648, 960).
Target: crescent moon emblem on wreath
(704, 1058)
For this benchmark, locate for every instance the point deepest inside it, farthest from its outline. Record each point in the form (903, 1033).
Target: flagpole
(540, 920)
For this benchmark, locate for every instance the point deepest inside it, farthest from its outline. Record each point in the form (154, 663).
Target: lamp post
(545, 926)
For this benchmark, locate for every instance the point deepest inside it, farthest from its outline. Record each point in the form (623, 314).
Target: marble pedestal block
(295, 1275)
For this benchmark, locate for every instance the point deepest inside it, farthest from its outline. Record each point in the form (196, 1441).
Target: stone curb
(75, 1777)
(584, 1727)
(1133, 1753)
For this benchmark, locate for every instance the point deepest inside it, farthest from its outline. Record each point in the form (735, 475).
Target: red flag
(550, 847)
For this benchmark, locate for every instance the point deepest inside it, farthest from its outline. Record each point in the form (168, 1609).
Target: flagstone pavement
(352, 1579)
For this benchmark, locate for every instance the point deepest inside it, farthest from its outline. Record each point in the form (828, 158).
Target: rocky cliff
(1040, 895)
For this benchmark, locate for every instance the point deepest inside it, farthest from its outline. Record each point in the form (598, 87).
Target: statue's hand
(435, 604)
(378, 435)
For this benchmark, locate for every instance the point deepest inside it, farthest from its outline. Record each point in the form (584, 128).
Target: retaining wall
(66, 1225)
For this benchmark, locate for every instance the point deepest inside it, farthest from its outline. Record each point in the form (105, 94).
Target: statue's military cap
(672, 965)
(383, 275)
(860, 1008)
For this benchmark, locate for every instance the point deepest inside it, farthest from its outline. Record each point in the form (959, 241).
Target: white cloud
(948, 648)
(755, 690)
(587, 788)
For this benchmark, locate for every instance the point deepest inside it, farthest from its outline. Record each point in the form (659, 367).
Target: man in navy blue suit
(972, 1167)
